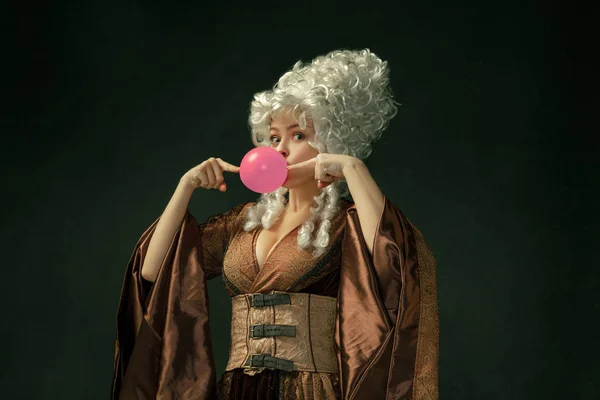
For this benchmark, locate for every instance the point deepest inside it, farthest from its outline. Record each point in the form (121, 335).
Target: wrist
(186, 183)
(352, 165)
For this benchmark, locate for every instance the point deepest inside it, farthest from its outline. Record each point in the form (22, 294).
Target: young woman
(331, 298)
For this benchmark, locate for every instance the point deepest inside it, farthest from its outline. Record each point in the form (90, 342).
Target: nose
(282, 149)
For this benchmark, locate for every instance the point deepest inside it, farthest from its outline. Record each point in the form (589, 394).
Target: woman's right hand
(209, 174)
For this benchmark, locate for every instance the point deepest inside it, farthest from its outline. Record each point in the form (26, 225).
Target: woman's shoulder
(239, 210)
(232, 214)
(243, 206)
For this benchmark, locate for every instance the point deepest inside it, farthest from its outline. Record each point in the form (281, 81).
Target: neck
(301, 199)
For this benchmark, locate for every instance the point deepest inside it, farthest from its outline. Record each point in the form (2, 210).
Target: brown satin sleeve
(414, 347)
(135, 293)
(387, 327)
(428, 346)
(163, 347)
(362, 324)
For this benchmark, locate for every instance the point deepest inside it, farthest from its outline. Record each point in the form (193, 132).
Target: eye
(299, 134)
(274, 137)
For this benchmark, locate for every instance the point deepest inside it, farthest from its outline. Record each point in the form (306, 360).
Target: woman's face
(286, 136)
(290, 140)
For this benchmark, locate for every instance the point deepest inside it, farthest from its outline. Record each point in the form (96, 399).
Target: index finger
(304, 164)
(225, 166)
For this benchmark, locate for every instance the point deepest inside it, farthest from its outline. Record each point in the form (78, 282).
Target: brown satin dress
(288, 268)
(387, 326)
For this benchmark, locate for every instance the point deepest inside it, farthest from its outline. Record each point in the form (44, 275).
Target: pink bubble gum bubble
(263, 169)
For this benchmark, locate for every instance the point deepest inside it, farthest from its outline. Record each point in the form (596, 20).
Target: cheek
(310, 152)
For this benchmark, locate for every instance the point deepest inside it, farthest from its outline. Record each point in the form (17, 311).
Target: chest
(268, 239)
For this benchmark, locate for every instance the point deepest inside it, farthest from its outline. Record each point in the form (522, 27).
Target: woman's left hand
(327, 167)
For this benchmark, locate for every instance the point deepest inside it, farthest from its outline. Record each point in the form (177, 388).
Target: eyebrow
(288, 128)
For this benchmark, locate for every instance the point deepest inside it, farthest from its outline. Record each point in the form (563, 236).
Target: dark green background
(109, 103)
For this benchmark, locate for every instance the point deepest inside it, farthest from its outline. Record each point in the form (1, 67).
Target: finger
(225, 166)
(201, 177)
(303, 165)
(216, 168)
(222, 187)
(210, 184)
(321, 173)
(327, 178)
(206, 167)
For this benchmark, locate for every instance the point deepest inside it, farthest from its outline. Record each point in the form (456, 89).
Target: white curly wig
(346, 96)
